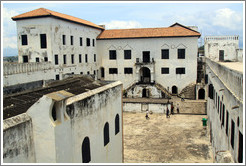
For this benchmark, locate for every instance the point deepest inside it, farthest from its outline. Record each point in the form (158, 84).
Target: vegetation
(10, 59)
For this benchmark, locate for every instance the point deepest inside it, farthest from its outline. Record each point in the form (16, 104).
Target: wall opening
(240, 148)
(25, 58)
(223, 115)
(146, 56)
(144, 92)
(102, 72)
(43, 41)
(86, 152)
(174, 90)
(227, 121)
(106, 133)
(221, 55)
(201, 94)
(53, 113)
(232, 133)
(117, 124)
(145, 75)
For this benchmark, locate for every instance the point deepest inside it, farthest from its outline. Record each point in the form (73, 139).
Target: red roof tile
(176, 31)
(45, 12)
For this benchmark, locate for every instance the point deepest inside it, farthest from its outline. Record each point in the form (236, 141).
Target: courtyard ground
(178, 139)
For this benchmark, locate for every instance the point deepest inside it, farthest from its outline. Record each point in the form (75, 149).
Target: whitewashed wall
(136, 91)
(141, 107)
(154, 45)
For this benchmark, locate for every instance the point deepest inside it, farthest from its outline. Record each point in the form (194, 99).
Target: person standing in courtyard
(172, 108)
(178, 108)
(167, 113)
(147, 114)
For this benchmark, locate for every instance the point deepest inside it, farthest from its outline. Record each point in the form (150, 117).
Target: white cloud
(121, 24)
(227, 18)
(10, 42)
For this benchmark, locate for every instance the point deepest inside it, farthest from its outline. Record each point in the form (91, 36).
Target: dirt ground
(178, 139)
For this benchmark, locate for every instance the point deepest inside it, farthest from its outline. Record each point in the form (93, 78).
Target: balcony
(145, 62)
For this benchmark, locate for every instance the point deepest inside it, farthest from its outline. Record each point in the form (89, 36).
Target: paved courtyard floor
(178, 139)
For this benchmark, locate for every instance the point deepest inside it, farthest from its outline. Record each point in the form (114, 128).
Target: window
(56, 59)
(210, 91)
(86, 59)
(117, 124)
(24, 40)
(46, 59)
(128, 70)
(146, 56)
(95, 57)
(112, 54)
(37, 59)
(94, 72)
(232, 133)
(86, 153)
(165, 54)
(71, 38)
(88, 42)
(57, 77)
(80, 58)
(81, 73)
(81, 41)
(227, 119)
(64, 39)
(106, 133)
(127, 54)
(93, 42)
(53, 112)
(88, 73)
(25, 58)
(181, 53)
(165, 70)
(220, 109)
(43, 41)
(240, 148)
(206, 79)
(113, 71)
(218, 104)
(72, 58)
(223, 115)
(180, 70)
(64, 59)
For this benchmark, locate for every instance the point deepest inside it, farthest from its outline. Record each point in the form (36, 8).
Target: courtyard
(178, 139)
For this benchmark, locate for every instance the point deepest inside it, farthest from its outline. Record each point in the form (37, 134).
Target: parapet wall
(16, 68)
(232, 79)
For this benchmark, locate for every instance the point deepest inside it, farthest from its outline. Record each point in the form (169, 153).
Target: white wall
(154, 45)
(136, 91)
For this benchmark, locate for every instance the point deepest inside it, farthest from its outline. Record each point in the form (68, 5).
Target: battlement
(233, 37)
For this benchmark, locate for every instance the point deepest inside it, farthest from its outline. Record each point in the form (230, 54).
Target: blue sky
(211, 18)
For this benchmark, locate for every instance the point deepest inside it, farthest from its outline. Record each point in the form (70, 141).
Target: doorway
(145, 76)
(174, 90)
(201, 94)
(221, 55)
(146, 56)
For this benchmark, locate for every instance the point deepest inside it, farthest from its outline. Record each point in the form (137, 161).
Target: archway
(145, 76)
(174, 90)
(86, 152)
(201, 94)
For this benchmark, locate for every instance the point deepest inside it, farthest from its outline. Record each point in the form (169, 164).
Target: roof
(175, 30)
(19, 103)
(42, 12)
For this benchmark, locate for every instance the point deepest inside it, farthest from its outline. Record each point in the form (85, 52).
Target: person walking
(178, 108)
(172, 108)
(167, 113)
(147, 114)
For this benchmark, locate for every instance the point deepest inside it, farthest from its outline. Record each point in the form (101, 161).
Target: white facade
(222, 48)
(154, 46)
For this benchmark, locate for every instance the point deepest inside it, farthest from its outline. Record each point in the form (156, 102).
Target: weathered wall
(154, 45)
(227, 90)
(212, 45)
(18, 144)
(137, 91)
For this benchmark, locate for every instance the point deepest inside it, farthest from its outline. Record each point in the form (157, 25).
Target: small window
(37, 59)
(165, 70)
(64, 59)
(86, 152)
(165, 54)
(227, 121)
(93, 42)
(57, 77)
(88, 42)
(46, 59)
(117, 124)
(86, 58)
(24, 40)
(181, 53)
(112, 54)
(106, 133)
(127, 54)
(56, 59)
(113, 71)
(206, 79)
(80, 58)
(53, 113)
(94, 72)
(211, 91)
(71, 38)
(232, 133)
(180, 70)
(223, 115)
(128, 70)
(81, 41)
(72, 58)
(64, 39)
(43, 41)
(95, 57)
(88, 73)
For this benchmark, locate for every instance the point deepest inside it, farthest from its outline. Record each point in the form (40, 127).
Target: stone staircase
(189, 92)
(160, 87)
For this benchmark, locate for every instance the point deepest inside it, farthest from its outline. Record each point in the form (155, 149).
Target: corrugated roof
(42, 12)
(176, 31)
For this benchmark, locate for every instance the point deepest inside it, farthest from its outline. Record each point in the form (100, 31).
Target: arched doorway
(145, 76)
(174, 90)
(201, 94)
(86, 153)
